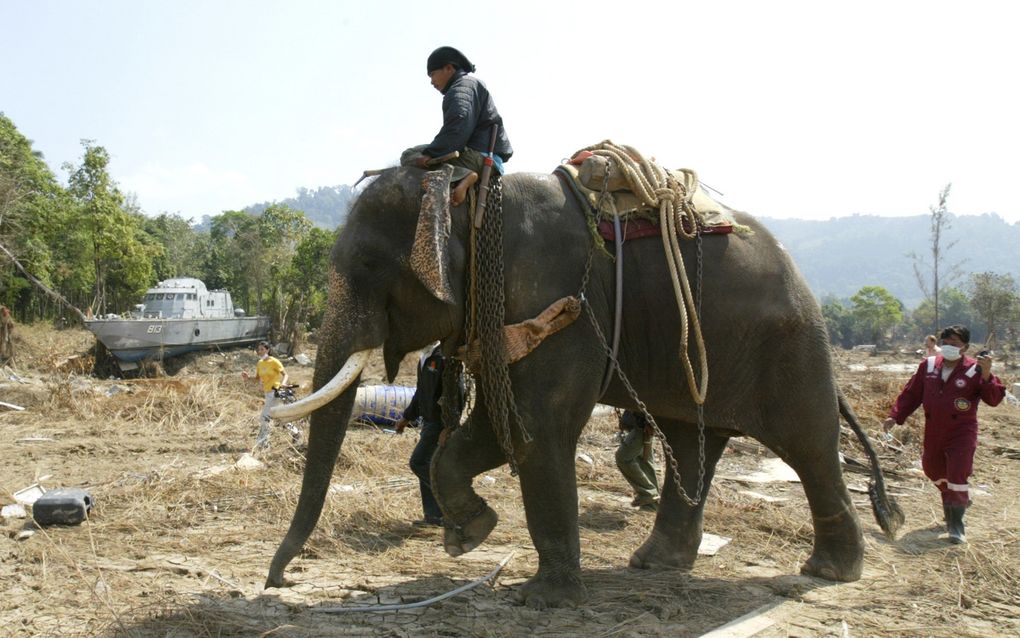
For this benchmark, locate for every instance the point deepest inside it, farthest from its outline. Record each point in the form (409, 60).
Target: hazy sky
(791, 109)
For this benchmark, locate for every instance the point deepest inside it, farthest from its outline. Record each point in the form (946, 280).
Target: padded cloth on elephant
(628, 205)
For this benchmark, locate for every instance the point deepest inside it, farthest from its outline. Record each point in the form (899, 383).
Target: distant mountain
(326, 207)
(841, 255)
(838, 256)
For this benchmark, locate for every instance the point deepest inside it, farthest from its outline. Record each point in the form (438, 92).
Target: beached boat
(176, 316)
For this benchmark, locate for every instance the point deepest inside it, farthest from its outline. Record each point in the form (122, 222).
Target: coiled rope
(659, 189)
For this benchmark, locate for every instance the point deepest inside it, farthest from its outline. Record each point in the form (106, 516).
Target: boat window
(159, 295)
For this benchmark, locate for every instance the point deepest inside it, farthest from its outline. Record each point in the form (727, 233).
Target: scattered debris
(30, 494)
(1011, 397)
(17, 510)
(62, 506)
(303, 359)
(582, 456)
(11, 406)
(1008, 452)
(248, 462)
(747, 625)
(422, 603)
(711, 544)
(35, 439)
(771, 470)
(763, 497)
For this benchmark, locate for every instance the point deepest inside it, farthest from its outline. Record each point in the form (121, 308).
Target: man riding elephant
(469, 115)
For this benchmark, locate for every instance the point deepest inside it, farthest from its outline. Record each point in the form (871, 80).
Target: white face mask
(950, 353)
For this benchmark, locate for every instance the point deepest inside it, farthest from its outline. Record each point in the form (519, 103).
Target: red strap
(638, 227)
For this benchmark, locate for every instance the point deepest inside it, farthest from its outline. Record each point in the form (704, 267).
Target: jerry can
(62, 506)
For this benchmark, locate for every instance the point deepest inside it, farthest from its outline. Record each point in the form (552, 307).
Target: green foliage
(33, 208)
(109, 234)
(956, 308)
(183, 250)
(875, 312)
(838, 321)
(996, 301)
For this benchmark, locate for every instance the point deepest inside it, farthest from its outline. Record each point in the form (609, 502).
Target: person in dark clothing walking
(425, 406)
(469, 113)
(633, 458)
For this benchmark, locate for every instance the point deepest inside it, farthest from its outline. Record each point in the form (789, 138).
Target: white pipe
(347, 374)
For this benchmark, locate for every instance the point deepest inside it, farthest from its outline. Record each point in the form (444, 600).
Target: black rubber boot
(954, 516)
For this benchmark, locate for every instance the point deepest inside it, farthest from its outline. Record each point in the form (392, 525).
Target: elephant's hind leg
(813, 452)
(838, 552)
(675, 538)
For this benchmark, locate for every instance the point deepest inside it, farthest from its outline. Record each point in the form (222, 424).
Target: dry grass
(180, 541)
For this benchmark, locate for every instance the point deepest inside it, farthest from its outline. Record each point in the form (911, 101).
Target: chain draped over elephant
(396, 286)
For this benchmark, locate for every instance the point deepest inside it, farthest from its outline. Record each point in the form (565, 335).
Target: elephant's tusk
(348, 373)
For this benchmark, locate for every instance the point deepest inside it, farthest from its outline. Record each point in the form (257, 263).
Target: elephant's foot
(467, 536)
(276, 582)
(658, 551)
(542, 592)
(841, 569)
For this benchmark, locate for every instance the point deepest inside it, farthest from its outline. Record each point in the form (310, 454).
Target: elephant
(395, 287)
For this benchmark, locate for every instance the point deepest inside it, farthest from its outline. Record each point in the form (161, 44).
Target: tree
(875, 311)
(184, 249)
(956, 309)
(305, 285)
(940, 273)
(33, 209)
(995, 299)
(838, 321)
(120, 252)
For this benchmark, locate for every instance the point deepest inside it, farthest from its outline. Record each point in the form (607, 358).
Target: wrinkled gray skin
(770, 376)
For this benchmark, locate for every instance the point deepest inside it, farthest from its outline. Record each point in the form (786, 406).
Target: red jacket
(949, 404)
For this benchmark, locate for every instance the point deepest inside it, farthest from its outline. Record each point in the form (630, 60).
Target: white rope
(673, 198)
(420, 603)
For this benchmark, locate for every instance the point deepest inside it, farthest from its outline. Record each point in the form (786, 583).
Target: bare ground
(180, 540)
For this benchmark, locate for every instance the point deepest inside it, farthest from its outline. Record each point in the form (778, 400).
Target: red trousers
(949, 462)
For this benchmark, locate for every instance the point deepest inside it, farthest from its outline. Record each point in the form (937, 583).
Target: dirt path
(180, 539)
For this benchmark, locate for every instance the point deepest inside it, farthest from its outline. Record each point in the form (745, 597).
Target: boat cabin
(186, 298)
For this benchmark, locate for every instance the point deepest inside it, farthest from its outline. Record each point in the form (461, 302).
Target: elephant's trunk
(326, 435)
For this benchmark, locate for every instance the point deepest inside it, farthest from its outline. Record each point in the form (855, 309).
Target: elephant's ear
(429, 256)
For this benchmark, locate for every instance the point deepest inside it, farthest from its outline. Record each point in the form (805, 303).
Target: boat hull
(134, 340)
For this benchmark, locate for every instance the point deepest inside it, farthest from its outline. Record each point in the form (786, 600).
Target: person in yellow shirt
(271, 374)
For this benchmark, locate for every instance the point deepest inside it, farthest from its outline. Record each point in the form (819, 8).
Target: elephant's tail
(887, 510)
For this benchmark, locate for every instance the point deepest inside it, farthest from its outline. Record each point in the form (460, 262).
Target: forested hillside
(841, 255)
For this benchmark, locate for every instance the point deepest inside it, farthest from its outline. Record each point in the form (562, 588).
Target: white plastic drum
(382, 405)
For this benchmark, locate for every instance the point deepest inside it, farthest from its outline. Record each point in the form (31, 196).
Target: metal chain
(495, 373)
(667, 449)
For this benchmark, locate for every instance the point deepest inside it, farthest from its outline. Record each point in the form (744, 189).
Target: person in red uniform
(949, 386)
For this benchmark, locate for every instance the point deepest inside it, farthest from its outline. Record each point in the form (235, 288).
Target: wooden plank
(747, 625)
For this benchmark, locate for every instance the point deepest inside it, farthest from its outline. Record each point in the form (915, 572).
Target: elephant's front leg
(675, 538)
(468, 451)
(549, 488)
